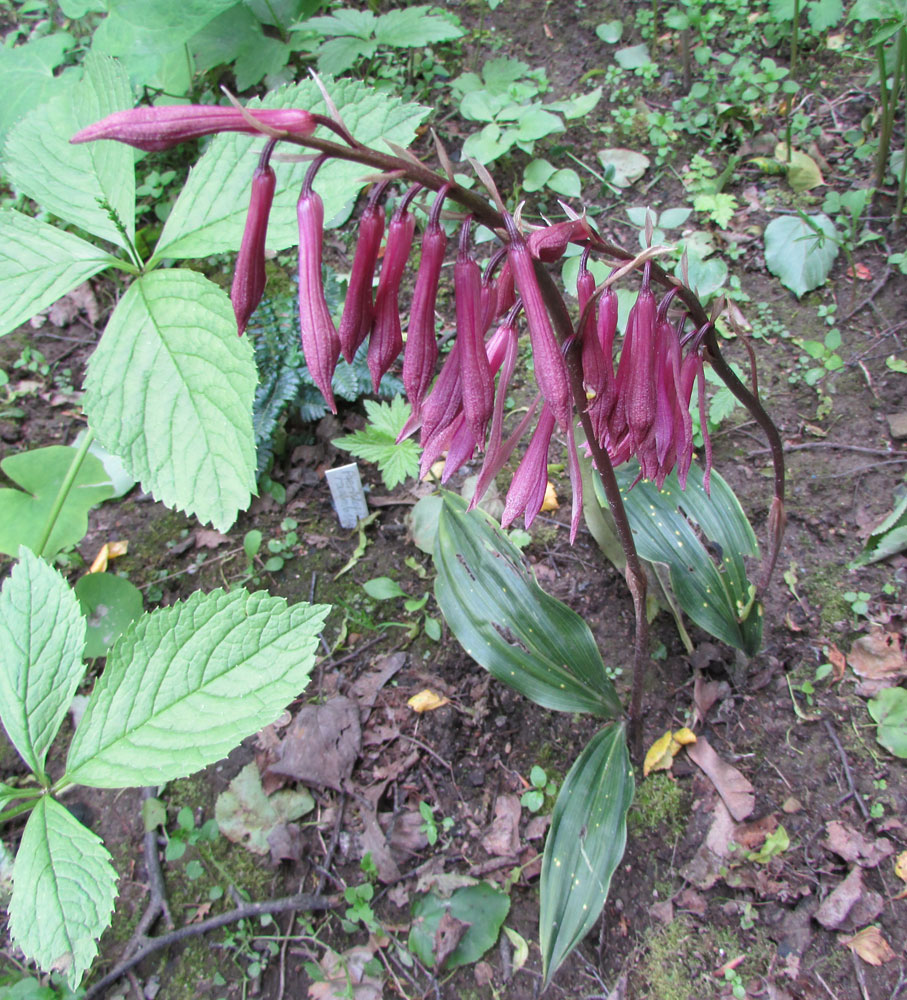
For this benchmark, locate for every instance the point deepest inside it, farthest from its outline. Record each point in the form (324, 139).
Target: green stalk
(64, 489)
(793, 71)
(885, 131)
(902, 180)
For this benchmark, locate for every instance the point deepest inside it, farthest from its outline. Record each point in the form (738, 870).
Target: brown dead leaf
(484, 973)
(79, 300)
(663, 912)
(879, 659)
(705, 867)
(852, 846)
(345, 977)
(367, 685)
(738, 794)
(322, 745)
(870, 946)
(849, 903)
(405, 833)
(705, 694)
(838, 661)
(427, 701)
(374, 842)
(201, 911)
(751, 836)
(693, 902)
(503, 839)
(448, 935)
(208, 538)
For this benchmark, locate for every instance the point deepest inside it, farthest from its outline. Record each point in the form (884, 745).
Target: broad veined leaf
(482, 908)
(184, 685)
(110, 603)
(169, 391)
(235, 36)
(63, 891)
(68, 180)
(24, 512)
(585, 843)
(210, 213)
(889, 709)
(887, 538)
(414, 27)
(799, 252)
(668, 527)
(40, 264)
(42, 633)
(508, 624)
(27, 77)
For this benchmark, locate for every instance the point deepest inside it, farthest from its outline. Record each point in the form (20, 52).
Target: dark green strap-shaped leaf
(585, 844)
(670, 526)
(508, 624)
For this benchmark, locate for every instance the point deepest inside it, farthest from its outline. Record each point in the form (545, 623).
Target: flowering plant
(638, 407)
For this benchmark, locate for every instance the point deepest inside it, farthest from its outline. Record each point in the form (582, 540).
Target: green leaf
(535, 123)
(577, 105)
(797, 254)
(40, 264)
(667, 527)
(508, 624)
(610, 32)
(886, 539)
(42, 634)
(377, 442)
(383, 588)
(27, 77)
(487, 145)
(585, 843)
(210, 213)
(673, 218)
(24, 513)
(235, 36)
(719, 207)
(63, 891)
(803, 172)
(337, 55)
(626, 164)
(359, 23)
(481, 907)
(70, 180)
(633, 56)
(536, 175)
(110, 604)
(566, 182)
(889, 710)
(706, 276)
(169, 390)
(185, 684)
(414, 27)
(825, 14)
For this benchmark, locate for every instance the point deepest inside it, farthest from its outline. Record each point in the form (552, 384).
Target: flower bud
(165, 125)
(475, 373)
(527, 491)
(550, 372)
(421, 352)
(249, 275)
(320, 344)
(386, 340)
(358, 309)
(550, 242)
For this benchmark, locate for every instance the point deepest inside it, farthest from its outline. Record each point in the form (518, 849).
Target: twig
(301, 901)
(857, 798)
(828, 989)
(858, 972)
(282, 967)
(335, 840)
(809, 445)
(898, 986)
(876, 288)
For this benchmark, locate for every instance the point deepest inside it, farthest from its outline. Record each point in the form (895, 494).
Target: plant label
(347, 494)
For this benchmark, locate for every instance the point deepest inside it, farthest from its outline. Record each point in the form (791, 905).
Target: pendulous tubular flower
(249, 275)
(527, 491)
(165, 125)
(386, 340)
(320, 343)
(475, 372)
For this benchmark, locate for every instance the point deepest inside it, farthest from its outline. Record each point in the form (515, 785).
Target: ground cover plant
(703, 566)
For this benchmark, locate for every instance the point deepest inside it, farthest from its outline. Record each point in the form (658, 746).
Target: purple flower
(527, 491)
(475, 373)
(249, 275)
(358, 308)
(166, 125)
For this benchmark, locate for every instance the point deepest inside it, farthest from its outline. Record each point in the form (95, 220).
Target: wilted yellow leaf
(108, 551)
(659, 757)
(684, 737)
(870, 946)
(900, 869)
(550, 501)
(427, 701)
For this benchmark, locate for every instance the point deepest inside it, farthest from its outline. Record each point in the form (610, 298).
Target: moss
(825, 588)
(658, 807)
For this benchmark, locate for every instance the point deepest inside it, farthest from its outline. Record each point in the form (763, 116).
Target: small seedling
(186, 834)
(542, 788)
(430, 825)
(858, 601)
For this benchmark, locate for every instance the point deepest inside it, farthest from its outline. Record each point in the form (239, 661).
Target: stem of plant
(793, 48)
(902, 180)
(885, 129)
(636, 575)
(64, 489)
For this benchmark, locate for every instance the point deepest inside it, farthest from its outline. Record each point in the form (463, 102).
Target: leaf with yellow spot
(427, 701)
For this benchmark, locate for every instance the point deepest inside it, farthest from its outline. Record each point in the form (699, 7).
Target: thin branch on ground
(809, 445)
(853, 791)
(301, 901)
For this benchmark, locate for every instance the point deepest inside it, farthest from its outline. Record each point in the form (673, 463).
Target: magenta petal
(249, 275)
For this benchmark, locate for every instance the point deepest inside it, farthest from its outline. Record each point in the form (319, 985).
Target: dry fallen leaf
(427, 701)
(738, 794)
(900, 869)
(838, 661)
(850, 903)
(550, 501)
(345, 977)
(878, 658)
(663, 751)
(322, 745)
(448, 935)
(503, 839)
(852, 846)
(208, 538)
(870, 946)
(108, 551)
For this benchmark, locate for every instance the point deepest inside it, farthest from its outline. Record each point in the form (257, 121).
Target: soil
(809, 752)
